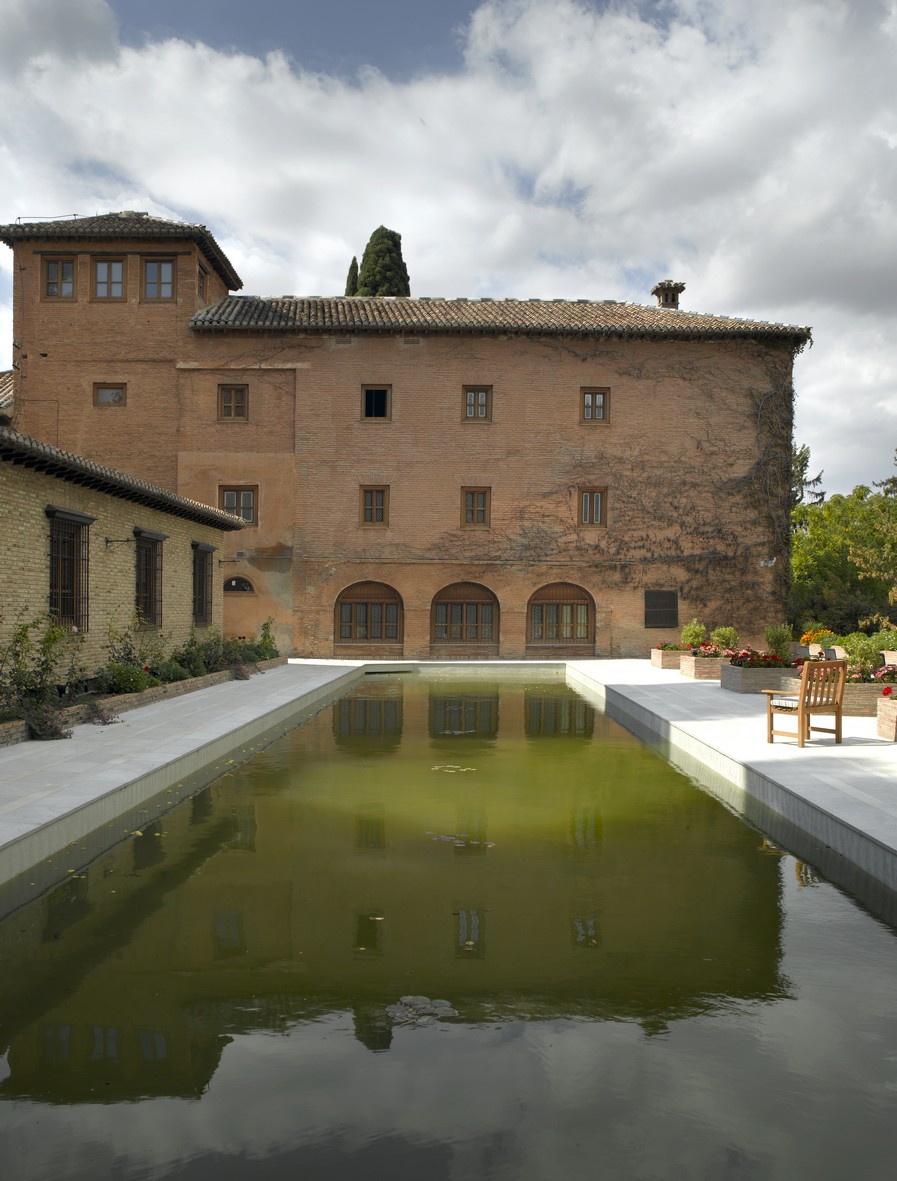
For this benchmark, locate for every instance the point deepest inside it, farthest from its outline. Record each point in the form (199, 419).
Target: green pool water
(447, 930)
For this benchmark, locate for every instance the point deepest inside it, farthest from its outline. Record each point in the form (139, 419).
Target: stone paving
(844, 797)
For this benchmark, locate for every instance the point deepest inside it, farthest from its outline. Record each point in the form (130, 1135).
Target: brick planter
(861, 701)
(76, 715)
(663, 658)
(702, 668)
(886, 718)
(755, 680)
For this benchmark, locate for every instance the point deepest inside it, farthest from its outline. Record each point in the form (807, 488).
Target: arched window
(560, 613)
(464, 613)
(238, 585)
(369, 613)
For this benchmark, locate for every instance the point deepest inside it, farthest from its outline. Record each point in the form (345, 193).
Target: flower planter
(861, 700)
(702, 668)
(755, 680)
(665, 658)
(886, 718)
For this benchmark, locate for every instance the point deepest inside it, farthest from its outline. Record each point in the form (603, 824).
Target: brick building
(87, 544)
(422, 477)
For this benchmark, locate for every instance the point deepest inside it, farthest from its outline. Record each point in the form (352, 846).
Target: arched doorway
(369, 614)
(560, 619)
(464, 620)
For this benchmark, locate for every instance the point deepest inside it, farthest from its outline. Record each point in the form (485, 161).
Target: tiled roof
(115, 227)
(20, 449)
(528, 317)
(6, 389)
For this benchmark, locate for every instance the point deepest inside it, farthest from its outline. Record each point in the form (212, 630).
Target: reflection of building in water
(461, 715)
(372, 712)
(550, 715)
(358, 885)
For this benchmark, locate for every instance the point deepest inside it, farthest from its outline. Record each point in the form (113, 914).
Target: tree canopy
(383, 270)
(828, 584)
(352, 277)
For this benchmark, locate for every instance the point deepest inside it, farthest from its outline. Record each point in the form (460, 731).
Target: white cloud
(744, 147)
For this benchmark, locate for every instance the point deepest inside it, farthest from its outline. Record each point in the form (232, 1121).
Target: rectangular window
(374, 506)
(477, 403)
(241, 501)
(202, 583)
(595, 404)
(109, 278)
(110, 395)
(661, 608)
(376, 401)
(476, 504)
(59, 278)
(148, 577)
(233, 403)
(201, 281)
(68, 597)
(592, 506)
(158, 279)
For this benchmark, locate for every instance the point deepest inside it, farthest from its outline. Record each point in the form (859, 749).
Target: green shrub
(693, 634)
(862, 649)
(724, 637)
(171, 670)
(125, 678)
(778, 638)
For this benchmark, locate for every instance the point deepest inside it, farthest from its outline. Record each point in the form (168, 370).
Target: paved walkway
(844, 797)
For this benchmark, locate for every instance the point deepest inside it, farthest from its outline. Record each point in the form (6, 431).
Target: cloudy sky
(528, 148)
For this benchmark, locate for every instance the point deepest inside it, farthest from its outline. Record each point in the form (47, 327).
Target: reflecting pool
(446, 930)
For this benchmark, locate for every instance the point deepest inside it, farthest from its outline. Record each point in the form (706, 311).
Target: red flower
(887, 691)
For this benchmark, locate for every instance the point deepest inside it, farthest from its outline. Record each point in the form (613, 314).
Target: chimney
(668, 292)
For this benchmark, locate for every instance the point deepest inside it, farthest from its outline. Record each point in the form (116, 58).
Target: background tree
(383, 270)
(874, 552)
(805, 489)
(352, 277)
(828, 582)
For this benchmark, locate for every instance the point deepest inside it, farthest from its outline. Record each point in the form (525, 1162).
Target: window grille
(69, 582)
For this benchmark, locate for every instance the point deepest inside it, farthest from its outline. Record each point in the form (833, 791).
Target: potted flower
(667, 655)
(750, 671)
(886, 706)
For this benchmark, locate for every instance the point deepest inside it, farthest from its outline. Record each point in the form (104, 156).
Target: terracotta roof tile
(20, 449)
(129, 224)
(531, 317)
(6, 389)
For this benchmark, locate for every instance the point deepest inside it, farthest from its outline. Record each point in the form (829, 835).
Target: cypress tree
(383, 270)
(352, 278)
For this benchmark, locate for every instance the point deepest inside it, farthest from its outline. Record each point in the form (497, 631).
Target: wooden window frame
(202, 282)
(59, 260)
(560, 613)
(476, 398)
(145, 280)
(99, 386)
(231, 390)
(465, 619)
(237, 509)
(588, 405)
(202, 583)
(662, 615)
(471, 510)
(366, 404)
(368, 506)
(148, 557)
(95, 264)
(586, 515)
(365, 613)
(69, 573)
